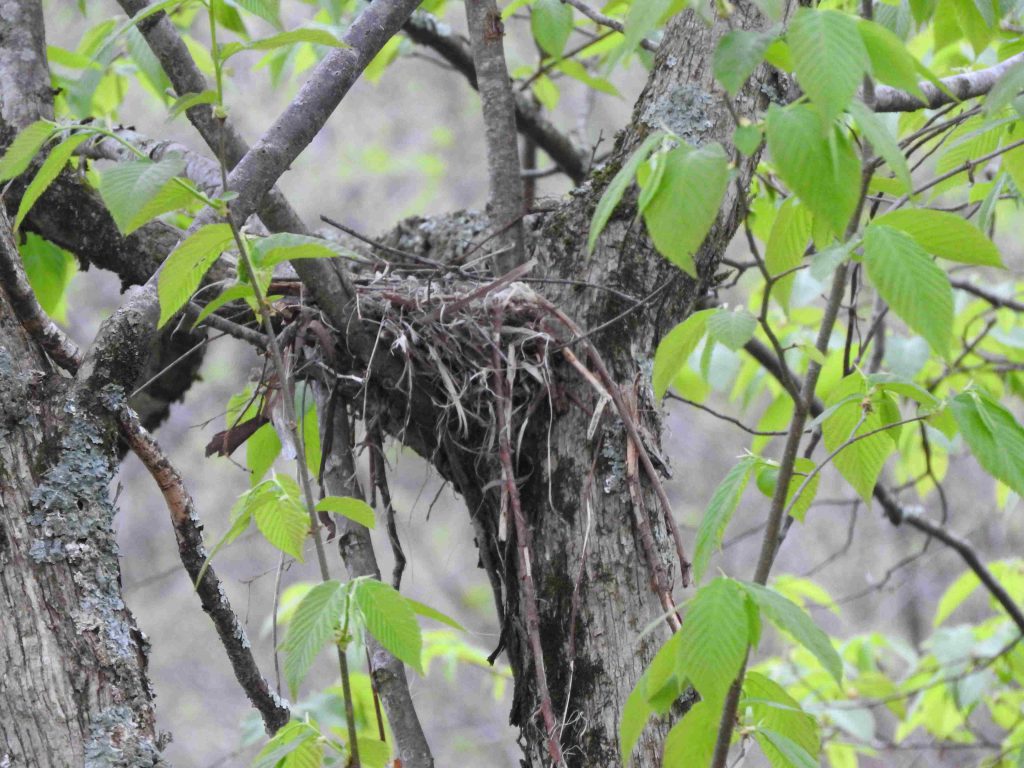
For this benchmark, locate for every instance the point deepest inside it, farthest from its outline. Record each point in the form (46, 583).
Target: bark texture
(73, 689)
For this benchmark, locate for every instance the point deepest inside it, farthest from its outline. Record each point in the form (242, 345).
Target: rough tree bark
(589, 563)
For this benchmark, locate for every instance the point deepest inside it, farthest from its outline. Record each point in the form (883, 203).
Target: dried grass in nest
(446, 329)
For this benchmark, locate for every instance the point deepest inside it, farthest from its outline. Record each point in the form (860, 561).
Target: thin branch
(724, 417)
(424, 29)
(503, 407)
(992, 298)
(505, 202)
(962, 87)
(184, 517)
(607, 21)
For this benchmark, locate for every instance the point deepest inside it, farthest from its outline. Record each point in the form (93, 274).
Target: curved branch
(960, 88)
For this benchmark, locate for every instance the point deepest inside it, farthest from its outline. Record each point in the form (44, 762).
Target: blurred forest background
(410, 143)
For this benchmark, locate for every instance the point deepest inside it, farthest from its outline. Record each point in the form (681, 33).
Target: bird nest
(457, 336)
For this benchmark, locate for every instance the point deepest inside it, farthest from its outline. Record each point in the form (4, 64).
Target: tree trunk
(73, 689)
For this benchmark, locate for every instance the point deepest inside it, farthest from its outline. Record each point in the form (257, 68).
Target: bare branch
(424, 29)
(187, 525)
(607, 21)
(505, 202)
(962, 87)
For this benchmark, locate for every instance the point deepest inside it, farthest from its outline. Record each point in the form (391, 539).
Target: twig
(505, 202)
(523, 544)
(606, 21)
(724, 417)
(378, 474)
(184, 517)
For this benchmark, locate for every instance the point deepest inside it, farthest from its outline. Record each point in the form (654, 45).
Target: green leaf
(49, 269)
(577, 71)
(432, 613)
(883, 141)
(945, 234)
(189, 100)
(390, 619)
(551, 23)
(829, 57)
(281, 516)
(737, 56)
(1007, 88)
(732, 328)
(691, 742)
(24, 148)
(719, 512)
(768, 478)
(295, 739)
(911, 283)
(268, 10)
(794, 621)
(240, 518)
(891, 62)
(613, 193)
(315, 621)
(354, 509)
(131, 191)
(861, 461)
(824, 173)
(993, 435)
(787, 243)
(635, 714)
(183, 270)
(774, 709)
(48, 171)
(641, 19)
(681, 212)
(954, 596)
(675, 348)
(285, 246)
(795, 756)
(261, 451)
(229, 294)
(304, 35)
(715, 636)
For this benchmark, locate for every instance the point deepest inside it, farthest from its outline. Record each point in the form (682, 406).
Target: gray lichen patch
(116, 740)
(685, 111)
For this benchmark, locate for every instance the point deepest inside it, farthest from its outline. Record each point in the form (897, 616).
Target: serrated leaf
(229, 294)
(240, 518)
(665, 678)
(24, 148)
(303, 35)
(635, 714)
(861, 461)
(787, 243)
(954, 596)
(691, 742)
(944, 234)
(261, 451)
(390, 619)
(432, 613)
(294, 737)
(286, 246)
(720, 510)
(281, 516)
(130, 189)
(681, 212)
(354, 509)
(737, 56)
(916, 288)
(794, 755)
(884, 143)
(891, 62)
(612, 195)
(189, 100)
(675, 348)
(715, 637)
(775, 710)
(315, 621)
(732, 328)
(49, 269)
(268, 10)
(824, 173)
(767, 479)
(994, 436)
(551, 23)
(794, 621)
(48, 171)
(183, 270)
(829, 57)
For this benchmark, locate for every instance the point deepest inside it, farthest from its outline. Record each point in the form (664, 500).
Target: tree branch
(962, 87)
(425, 30)
(505, 202)
(607, 21)
(187, 525)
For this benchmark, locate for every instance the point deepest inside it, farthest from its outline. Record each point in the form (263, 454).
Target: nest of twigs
(455, 336)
